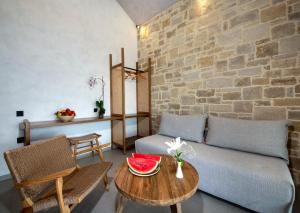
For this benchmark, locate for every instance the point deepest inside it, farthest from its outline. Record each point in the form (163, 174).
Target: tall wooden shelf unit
(118, 74)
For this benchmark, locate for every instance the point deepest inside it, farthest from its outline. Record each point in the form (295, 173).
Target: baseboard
(5, 177)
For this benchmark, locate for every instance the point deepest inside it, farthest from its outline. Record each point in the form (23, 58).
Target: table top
(161, 189)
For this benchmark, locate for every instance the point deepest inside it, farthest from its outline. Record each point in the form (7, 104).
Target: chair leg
(92, 146)
(75, 150)
(27, 210)
(101, 156)
(59, 186)
(27, 205)
(106, 183)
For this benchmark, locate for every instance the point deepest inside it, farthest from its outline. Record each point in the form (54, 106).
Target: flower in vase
(174, 148)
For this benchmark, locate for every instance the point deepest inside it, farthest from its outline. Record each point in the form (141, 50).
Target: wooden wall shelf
(27, 125)
(44, 124)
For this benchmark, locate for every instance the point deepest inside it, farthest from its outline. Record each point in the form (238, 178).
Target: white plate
(145, 175)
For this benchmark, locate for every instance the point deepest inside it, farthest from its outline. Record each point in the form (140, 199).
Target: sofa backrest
(188, 127)
(262, 137)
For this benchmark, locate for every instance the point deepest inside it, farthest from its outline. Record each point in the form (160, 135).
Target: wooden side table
(162, 189)
(92, 145)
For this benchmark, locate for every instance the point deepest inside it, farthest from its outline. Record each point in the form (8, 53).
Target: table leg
(120, 203)
(176, 208)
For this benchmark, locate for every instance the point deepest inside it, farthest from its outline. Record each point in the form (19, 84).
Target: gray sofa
(244, 162)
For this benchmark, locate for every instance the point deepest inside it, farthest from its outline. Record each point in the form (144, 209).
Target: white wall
(48, 51)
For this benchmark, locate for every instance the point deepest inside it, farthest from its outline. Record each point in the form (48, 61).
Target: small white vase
(179, 173)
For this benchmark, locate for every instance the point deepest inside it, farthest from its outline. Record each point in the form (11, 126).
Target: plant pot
(100, 115)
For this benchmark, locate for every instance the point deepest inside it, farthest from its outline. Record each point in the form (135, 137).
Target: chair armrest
(47, 178)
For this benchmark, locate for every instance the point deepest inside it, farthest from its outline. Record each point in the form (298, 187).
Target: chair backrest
(39, 159)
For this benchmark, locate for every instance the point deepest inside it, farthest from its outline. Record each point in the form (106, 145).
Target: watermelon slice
(147, 156)
(141, 165)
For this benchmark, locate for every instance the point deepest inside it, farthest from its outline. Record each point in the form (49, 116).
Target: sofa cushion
(262, 137)
(188, 127)
(257, 182)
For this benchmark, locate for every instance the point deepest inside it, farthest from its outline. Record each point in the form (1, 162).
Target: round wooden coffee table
(162, 189)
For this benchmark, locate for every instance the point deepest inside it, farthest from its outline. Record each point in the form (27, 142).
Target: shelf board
(44, 124)
(140, 114)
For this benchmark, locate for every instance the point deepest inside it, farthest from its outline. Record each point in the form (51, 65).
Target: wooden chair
(47, 175)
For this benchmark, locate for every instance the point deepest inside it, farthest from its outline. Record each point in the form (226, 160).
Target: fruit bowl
(66, 118)
(65, 115)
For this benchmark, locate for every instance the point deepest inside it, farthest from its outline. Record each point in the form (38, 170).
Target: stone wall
(231, 58)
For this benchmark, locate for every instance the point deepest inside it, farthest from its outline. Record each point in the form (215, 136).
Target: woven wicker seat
(47, 175)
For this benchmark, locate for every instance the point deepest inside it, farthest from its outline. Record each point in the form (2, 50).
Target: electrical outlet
(20, 113)
(20, 140)
(95, 109)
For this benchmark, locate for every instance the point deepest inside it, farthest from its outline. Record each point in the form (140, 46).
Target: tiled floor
(104, 202)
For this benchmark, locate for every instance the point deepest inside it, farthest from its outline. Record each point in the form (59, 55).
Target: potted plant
(100, 106)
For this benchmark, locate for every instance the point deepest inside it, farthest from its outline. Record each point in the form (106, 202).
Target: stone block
(295, 162)
(294, 16)
(205, 93)
(268, 49)
(232, 96)
(229, 38)
(284, 81)
(188, 100)
(260, 81)
(165, 22)
(221, 66)
(214, 100)
(158, 80)
(242, 82)
(262, 103)
(237, 62)
(286, 102)
(269, 113)
(274, 92)
(244, 18)
(206, 61)
(220, 108)
(257, 62)
(162, 61)
(291, 72)
(242, 106)
(171, 33)
(297, 88)
(219, 83)
(245, 49)
(192, 76)
(173, 53)
(283, 30)
(284, 62)
(273, 12)
(290, 44)
(256, 33)
(200, 100)
(174, 106)
(252, 93)
(294, 115)
(250, 71)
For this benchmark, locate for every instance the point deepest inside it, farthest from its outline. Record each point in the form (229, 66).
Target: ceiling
(141, 11)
